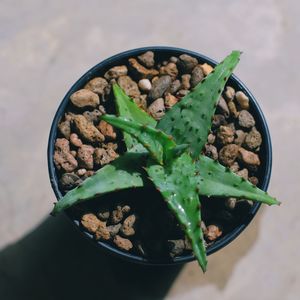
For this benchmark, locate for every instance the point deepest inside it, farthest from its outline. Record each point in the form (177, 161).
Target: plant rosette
(195, 144)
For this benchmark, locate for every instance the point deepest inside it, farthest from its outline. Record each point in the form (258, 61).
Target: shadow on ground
(55, 262)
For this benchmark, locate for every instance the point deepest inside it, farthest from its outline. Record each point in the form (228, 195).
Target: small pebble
(228, 154)
(253, 139)
(157, 109)
(75, 140)
(187, 62)
(223, 107)
(90, 222)
(233, 110)
(103, 214)
(159, 87)
(176, 247)
(230, 203)
(117, 215)
(85, 157)
(243, 173)
(97, 85)
(174, 87)
(207, 69)
(248, 157)
(234, 167)
(211, 151)
(145, 85)
(246, 120)
(81, 172)
(240, 136)
(225, 135)
(170, 100)
(185, 81)
(253, 180)
(242, 100)
(122, 243)
(197, 75)
(213, 232)
(116, 72)
(147, 59)
(127, 228)
(84, 98)
(229, 93)
(114, 229)
(211, 138)
(169, 69)
(69, 180)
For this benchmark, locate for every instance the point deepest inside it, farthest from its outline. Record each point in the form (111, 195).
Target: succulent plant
(169, 154)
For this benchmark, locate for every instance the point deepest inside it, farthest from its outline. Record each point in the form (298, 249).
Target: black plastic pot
(162, 53)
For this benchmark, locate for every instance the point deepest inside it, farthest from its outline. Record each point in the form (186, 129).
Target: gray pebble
(187, 62)
(69, 181)
(246, 120)
(197, 75)
(159, 87)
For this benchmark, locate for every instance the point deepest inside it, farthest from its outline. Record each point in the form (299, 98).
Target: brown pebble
(176, 247)
(225, 135)
(230, 202)
(93, 116)
(187, 62)
(103, 214)
(81, 172)
(207, 69)
(116, 72)
(117, 215)
(243, 173)
(223, 107)
(107, 130)
(240, 136)
(228, 154)
(147, 59)
(97, 85)
(129, 86)
(248, 157)
(246, 120)
(211, 138)
(85, 157)
(197, 75)
(218, 120)
(185, 81)
(169, 69)
(90, 222)
(159, 87)
(253, 139)
(65, 128)
(127, 228)
(174, 87)
(141, 70)
(233, 110)
(211, 151)
(122, 243)
(253, 180)
(69, 180)
(114, 229)
(157, 109)
(63, 159)
(102, 232)
(75, 140)
(85, 98)
(104, 156)
(229, 93)
(235, 167)
(87, 130)
(213, 232)
(242, 100)
(170, 100)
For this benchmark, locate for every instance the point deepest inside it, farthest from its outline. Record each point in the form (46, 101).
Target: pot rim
(113, 60)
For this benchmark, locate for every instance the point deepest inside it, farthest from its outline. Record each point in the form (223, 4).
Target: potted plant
(185, 157)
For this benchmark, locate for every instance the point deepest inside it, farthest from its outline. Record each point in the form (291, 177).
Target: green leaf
(189, 121)
(155, 141)
(127, 108)
(214, 180)
(178, 185)
(125, 172)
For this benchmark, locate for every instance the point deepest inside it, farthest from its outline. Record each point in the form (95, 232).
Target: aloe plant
(170, 153)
